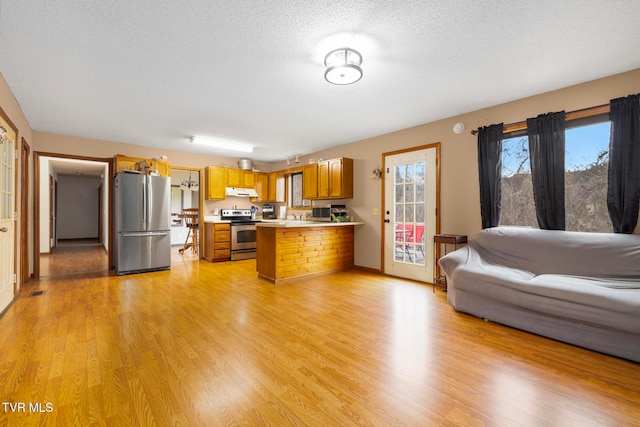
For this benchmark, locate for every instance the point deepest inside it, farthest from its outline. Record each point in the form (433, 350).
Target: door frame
(25, 152)
(36, 202)
(201, 190)
(435, 145)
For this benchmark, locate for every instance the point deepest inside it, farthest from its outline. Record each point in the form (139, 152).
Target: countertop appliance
(268, 211)
(329, 213)
(243, 233)
(142, 240)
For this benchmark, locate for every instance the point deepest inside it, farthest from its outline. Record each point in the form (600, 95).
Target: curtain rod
(571, 115)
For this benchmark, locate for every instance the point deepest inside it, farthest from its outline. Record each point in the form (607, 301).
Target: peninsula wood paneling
(303, 251)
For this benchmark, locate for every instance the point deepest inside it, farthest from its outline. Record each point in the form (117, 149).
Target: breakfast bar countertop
(276, 223)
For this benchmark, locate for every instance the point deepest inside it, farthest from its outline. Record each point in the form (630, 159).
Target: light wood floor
(209, 344)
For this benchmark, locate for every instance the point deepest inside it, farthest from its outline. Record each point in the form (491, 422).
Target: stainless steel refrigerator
(142, 240)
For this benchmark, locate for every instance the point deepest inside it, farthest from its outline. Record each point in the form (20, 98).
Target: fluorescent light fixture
(235, 146)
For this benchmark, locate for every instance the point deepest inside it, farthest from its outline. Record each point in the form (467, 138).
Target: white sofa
(579, 288)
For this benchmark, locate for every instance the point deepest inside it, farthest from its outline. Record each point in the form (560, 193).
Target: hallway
(75, 257)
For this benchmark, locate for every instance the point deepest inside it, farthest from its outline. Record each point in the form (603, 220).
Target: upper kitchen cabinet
(215, 182)
(270, 187)
(277, 186)
(262, 187)
(240, 178)
(310, 181)
(335, 179)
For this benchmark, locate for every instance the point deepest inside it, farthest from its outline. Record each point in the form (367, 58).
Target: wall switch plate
(375, 211)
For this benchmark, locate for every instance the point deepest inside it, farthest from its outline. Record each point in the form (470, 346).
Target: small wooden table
(440, 280)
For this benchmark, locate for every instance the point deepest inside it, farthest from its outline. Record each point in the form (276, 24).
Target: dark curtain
(623, 193)
(546, 151)
(490, 170)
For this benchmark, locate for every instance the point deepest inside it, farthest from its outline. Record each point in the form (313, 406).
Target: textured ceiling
(155, 72)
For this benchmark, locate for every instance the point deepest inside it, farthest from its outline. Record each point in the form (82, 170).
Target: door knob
(387, 221)
(4, 229)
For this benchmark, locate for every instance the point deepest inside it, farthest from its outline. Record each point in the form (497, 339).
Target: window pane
(420, 188)
(296, 190)
(399, 213)
(408, 213)
(518, 207)
(408, 193)
(586, 164)
(420, 213)
(409, 177)
(399, 174)
(399, 194)
(420, 171)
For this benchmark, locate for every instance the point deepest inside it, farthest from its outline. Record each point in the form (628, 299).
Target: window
(586, 163)
(296, 183)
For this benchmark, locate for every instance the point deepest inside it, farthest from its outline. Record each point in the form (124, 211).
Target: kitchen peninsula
(289, 250)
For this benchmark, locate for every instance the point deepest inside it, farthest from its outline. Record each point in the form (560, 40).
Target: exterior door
(410, 220)
(8, 137)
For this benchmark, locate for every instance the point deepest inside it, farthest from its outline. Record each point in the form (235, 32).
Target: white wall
(105, 206)
(78, 207)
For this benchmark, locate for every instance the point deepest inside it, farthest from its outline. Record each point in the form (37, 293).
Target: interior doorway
(411, 201)
(72, 205)
(186, 193)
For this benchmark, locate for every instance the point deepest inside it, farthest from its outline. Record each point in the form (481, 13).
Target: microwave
(329, 213)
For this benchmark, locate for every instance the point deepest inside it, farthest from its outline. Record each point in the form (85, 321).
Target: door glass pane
(399, 193)
(399, 212)
(408, 193)
(408, 213)
(409, 176)
(420, 212)
(420, 171)
(420, 191)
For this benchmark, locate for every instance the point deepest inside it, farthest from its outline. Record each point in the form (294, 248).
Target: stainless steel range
(243, 233)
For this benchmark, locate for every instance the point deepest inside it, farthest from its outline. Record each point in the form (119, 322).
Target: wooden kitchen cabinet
(215, 183)
(240, 178)
(262, 187)
(271, 187)
(217, 241)
(335, 179)
(310, 182)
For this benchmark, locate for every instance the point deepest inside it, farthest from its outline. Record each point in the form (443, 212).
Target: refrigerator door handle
(145, 201)
(145, 234)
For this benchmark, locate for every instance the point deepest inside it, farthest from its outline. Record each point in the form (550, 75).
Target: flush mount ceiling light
(235, 146)
(343, 66)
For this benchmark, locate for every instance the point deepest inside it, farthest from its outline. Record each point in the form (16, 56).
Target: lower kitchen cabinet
(217, 241)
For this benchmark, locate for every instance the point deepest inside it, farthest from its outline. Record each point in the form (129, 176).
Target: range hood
(240, 192)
